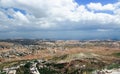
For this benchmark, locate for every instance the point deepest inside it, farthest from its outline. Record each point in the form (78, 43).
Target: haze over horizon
(60, 19)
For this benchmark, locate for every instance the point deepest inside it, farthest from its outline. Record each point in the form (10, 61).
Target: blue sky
(95, 1)
(60, 19)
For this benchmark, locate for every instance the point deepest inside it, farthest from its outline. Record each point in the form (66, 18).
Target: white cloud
(20, 17)
(100, 7)
(58, 15)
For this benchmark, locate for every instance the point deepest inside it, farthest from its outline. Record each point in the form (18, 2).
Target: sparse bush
(114, 65)
(117, 54)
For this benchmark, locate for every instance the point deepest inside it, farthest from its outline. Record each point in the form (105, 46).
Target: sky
(60, 19)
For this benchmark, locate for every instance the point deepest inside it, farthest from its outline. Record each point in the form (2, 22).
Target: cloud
(20, 17)
(100, 7)
(57, 15)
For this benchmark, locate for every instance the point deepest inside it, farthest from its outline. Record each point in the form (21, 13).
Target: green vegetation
(3, 73)
(27, 65)
(57, 58)
(7, 64)
(47, 70)
(59, 66)
(117, 54)
(12, 63)
(24, 69)
(114, 65)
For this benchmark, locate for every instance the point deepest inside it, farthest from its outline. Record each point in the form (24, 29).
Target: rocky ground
(63, 57)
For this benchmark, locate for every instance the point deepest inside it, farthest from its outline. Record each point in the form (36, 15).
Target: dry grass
(105, 51)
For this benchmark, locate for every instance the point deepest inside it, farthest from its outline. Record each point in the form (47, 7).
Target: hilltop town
(37, 56)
